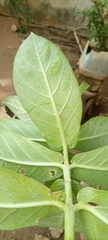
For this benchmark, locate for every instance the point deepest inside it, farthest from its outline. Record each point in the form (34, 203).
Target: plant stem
(69, 210)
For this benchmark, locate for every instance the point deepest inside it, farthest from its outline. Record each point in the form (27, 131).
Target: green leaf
(24, 156)
(54, 218)
(59, 185)
(23, 201)
(94, 196)
(25, 128)
(14, 104)
(93, 134)
(92, 210)
(83, 87)
(91, 167)
(76, 187)
(48, 91)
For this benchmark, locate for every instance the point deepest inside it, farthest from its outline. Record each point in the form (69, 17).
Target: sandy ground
(9, 43)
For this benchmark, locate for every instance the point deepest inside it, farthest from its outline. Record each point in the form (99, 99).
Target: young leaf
(14, 104)
(48, 91)
(83, 87)
(92, 210)
(23, 201)
(59, 185)
(25, 128)
(92, 167)
(93, 134)
(25, 156)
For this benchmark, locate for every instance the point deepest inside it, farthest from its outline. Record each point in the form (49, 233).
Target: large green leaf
(93, 134)
(23, 202)
(25, 156)
(25, 128)
(48, 91)
(92, 167)
(92, 212)
(14, 104)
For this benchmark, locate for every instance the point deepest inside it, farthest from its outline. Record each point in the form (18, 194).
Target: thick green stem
(69, 208)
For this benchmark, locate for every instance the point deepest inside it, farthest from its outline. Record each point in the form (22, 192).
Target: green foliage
(97, 29)
(23, 7)
(93, 134)
(40, 168)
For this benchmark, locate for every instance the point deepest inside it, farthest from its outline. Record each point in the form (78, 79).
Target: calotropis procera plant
(40, 175)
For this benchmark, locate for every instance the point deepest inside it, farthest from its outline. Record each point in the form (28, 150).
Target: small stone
(40, 237)
(14, 28)
(55, 232)
(11, 47)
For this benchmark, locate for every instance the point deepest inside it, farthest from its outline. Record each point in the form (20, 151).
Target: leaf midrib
(52, 102)
(81, 166)
(35, 164)
(56, 203)
(92, 137)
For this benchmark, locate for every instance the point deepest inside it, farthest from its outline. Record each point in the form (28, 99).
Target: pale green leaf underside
(25, 128)
(25, 156)
(93, 134)
(92, 167)
(93, 228)
(93, 213)
(24, 201)
(14, 104)
(48, 91)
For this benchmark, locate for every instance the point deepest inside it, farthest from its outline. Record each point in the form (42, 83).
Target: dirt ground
(9, 43)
